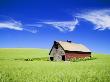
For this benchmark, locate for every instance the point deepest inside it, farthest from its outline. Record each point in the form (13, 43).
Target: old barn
(66, 50)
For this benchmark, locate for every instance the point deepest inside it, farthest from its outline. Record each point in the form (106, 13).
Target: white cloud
(9, 23)
(64, 25)
(100, 18)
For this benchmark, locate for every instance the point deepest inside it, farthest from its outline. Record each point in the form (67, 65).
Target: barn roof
(73, 46)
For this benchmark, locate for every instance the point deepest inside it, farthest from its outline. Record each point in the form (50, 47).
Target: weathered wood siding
(53, 51)
(57, 53)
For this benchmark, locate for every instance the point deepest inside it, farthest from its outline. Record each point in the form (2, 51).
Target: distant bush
(35, 59)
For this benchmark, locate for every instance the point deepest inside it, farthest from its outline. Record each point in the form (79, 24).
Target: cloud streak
(63, 25)
(9, 23)
(100, 18)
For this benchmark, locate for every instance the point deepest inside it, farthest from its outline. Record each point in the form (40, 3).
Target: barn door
(51, 58)
(63, 57)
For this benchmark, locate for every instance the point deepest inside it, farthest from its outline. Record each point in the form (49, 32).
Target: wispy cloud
(63, 25)
(100, 18)
(9, 23)
(34, 25)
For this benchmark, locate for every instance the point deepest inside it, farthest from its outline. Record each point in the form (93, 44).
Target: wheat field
(14, 68)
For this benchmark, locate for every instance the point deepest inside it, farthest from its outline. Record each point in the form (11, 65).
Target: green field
(12, 69)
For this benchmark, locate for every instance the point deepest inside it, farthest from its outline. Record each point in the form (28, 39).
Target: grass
(17, 53)
(13, 70)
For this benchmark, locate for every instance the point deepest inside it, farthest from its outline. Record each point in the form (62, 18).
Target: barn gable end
(57, 52)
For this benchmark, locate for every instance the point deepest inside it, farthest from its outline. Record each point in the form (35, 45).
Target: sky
(38, 23)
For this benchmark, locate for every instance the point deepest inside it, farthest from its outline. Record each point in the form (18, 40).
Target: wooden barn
(67, 50)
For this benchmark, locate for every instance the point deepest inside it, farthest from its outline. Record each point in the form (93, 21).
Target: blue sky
(37, 23)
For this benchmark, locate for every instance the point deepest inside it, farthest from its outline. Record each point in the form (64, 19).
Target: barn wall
(57, 53)
(60, 50)
(76, 55)
(53, 51)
